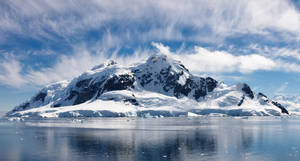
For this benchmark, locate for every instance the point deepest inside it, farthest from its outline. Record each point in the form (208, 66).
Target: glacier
(158, 87)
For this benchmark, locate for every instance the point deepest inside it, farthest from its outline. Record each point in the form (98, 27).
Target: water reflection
(157, 139)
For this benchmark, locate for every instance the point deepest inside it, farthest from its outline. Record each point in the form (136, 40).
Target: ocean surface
(138, 139)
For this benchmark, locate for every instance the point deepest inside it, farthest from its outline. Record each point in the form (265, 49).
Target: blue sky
(44, 41)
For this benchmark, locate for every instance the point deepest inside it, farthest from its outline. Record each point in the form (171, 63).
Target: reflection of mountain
(158, 87)
(128, 145)
(155, 142)
(124, 139)
(150, 139)
(142, 145)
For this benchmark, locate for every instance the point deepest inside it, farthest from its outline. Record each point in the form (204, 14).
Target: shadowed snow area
(159, 87)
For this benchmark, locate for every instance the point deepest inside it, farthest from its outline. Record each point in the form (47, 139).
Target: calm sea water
(129, 139)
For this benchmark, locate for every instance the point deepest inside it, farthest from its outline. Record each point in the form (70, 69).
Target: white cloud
(162, 48)
(288, 67)
(199, 60)
(68, 67)
(204, 60)
(65, 68)
(10, 73)
(253, 62)
(276, 52)
(276, 14)
(151, 20)
(285, 53)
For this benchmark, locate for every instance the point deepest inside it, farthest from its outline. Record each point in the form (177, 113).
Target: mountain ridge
(171, 89)
(292, 103)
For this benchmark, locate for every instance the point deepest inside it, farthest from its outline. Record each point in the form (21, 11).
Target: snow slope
(292, 103)
(159, 87)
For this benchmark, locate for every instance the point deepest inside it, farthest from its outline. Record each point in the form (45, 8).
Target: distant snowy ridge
(159, 87)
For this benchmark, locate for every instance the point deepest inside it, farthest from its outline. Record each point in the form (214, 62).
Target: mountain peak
(161, 61)
(246, 89)
(106, 64)
(158, 58)
(161, 84)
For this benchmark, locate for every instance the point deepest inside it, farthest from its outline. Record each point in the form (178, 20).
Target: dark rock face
(248, 91)
(25, 105)
(40, 97)
(199, 93)
(203, 86)
(266, 99)
(241, 101)
(185, 89)
(168, 79)
(84, 96)
(86, 89)
(211, 84)
(145, 79)
(261, 94)
(132, 101)
(119, 82)
(283, 110)
(56, 105)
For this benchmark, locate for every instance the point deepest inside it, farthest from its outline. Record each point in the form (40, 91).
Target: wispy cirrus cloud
(281, 52)
(150, 20)
(10, 72)
(13, 73)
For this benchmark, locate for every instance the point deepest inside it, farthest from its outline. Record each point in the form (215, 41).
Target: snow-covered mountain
(292, 103)
(158, 87)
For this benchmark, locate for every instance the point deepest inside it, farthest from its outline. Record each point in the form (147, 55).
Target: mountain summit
(159, 87)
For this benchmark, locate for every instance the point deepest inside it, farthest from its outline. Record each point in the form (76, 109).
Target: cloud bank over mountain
(199, 60)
